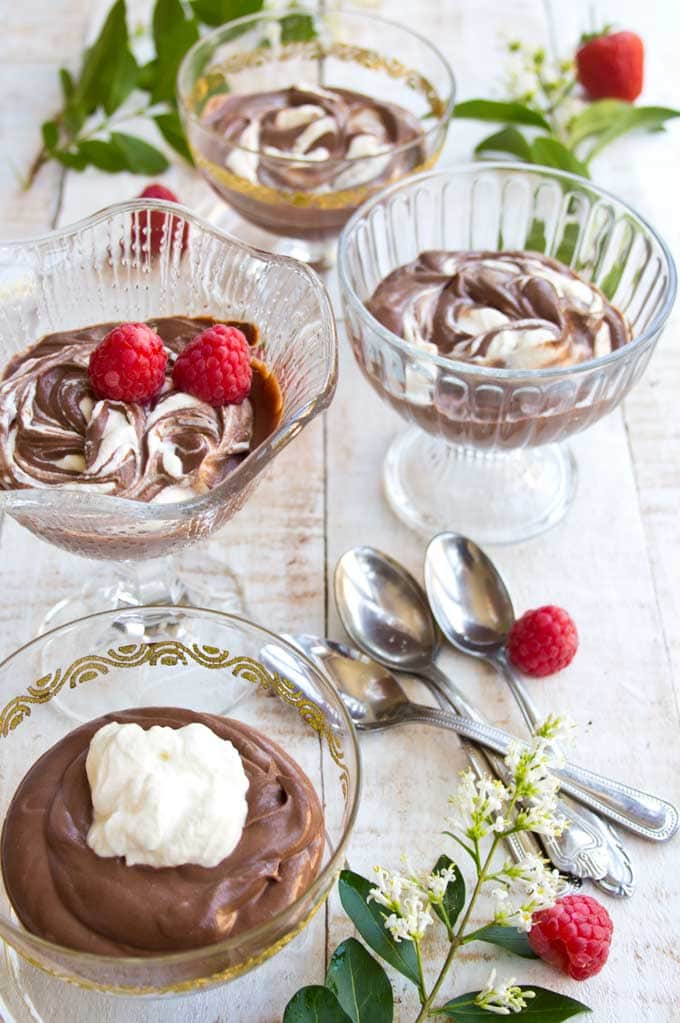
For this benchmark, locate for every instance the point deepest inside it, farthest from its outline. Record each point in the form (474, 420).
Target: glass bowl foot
(490, 496)
(157, 581)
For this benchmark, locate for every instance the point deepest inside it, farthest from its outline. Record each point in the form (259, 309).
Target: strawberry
(611, 66)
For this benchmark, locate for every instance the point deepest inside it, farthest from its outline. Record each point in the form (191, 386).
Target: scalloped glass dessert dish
(105, 269)
(282, 172)
(69, 676)
(485, 452)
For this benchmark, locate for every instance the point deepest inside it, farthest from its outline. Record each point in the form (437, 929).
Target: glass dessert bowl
(485, 454)
(66, 678)
(142, 261)
(296, 118)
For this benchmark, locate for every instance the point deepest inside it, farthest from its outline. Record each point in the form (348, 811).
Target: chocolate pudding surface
(508, 310)
(63, 891)
(54, 432)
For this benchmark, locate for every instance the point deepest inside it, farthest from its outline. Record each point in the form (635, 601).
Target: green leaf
(171, 129)
(50, 134)
(500, 113)
(546, 1007)
(298, 28)
(147, 75)
(536, 240)
(173, 33)
(109, 71)
(104, 155)
(508, 938)
(596, 117)
(68, 86)
(454, 897)
(369, 920)
(568, 242)
(139, 156)
(314, 1004)
(507, 140)
(549, 152)
(360, 984)
(651, 118)
(217, 12)
(72, 160)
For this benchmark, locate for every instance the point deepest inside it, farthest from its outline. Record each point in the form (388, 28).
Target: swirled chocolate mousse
(330, 127)
(157, 830)
(310, 140)
(509, 310)
(56, 430)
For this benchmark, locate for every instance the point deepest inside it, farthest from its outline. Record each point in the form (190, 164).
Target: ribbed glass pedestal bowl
(85, 669)
(485, 453)
(105, 269)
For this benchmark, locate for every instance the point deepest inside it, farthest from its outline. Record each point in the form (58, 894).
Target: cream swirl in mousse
(342, 138)
(514, 310)
(54, 432)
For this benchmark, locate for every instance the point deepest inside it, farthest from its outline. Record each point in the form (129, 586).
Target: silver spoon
(473, 609)
(386, 613)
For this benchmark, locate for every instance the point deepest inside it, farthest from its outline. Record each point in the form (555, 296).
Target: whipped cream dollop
(164, 797)
(515, 310)
(343, 138)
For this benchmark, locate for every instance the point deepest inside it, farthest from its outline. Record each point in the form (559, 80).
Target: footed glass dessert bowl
(499, 308)
(297, 117)
(62, 472)
(151, 916)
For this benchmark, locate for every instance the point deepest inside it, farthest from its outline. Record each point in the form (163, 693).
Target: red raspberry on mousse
(574, 936)
(215, 366)
(542, 641)
(153, 225)
(128, 364)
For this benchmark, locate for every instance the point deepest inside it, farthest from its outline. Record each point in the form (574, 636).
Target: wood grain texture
(614, 562)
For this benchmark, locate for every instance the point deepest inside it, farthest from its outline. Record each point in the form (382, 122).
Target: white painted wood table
(614, 562)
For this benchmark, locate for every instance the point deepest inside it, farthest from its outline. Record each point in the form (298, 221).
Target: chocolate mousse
(54, 432)
(508, 310)
(268, 152)
(65, 892)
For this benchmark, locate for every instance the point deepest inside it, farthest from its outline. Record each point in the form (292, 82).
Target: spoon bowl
(384, 610)
(467, 595)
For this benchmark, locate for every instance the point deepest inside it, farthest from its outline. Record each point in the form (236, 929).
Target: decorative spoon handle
(644, 814)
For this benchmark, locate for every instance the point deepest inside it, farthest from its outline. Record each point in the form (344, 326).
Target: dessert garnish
(153, 235)
(55, 431)
(133, 896)
(165, 796)
(515, 310)
(215, 366)
(128, 364)
(611, 65)
(543, 641)
(574, 936)
(396, 911)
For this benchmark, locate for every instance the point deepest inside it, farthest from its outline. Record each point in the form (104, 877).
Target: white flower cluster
(504, 998)
(530, 75)
(409, 898)
(523, 889)
(527, 803)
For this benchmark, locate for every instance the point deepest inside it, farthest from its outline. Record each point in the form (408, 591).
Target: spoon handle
(653, 818)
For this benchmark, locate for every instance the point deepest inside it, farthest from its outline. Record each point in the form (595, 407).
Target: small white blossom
(478, 806)
(523, 889)
(409, 905)
(504, 998)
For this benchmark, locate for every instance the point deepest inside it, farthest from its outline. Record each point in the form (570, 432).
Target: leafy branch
(545, 123)
(113, 89)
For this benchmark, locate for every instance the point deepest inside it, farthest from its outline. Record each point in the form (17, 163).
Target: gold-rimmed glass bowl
(104, 269)
(484, 453)
(328, 48)
(80, 671)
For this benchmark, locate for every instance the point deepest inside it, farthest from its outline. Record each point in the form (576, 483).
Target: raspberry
(543, 641)
(153, 225)
(128, 364)
(215, 366)
(573, 936)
